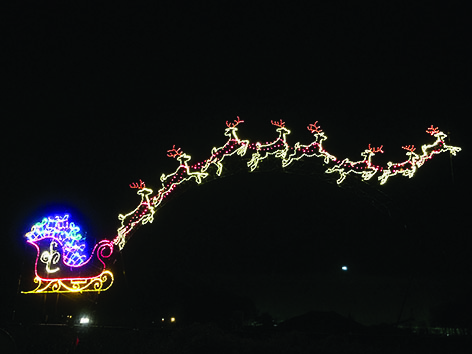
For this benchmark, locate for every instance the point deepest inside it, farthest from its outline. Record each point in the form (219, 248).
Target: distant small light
(344, 268)
(84, 320)
(172, 319)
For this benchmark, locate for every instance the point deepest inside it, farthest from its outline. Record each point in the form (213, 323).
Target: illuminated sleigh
(61, 265)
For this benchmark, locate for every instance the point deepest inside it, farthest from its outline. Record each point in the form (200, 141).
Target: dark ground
(209, 338)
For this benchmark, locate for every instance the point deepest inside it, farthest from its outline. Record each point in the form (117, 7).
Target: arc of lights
(280, 149)
(61, 257)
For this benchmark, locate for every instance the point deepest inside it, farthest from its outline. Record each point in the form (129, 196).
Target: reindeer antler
(376, 149)
(432, 130)
(236, 122)
(409, 148)
(314, 128)
(278, 124)
(174, 152)
(141, 185)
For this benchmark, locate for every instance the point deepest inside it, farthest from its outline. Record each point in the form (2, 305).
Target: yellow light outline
(216, 159)
(415, 161)
(263, 151)
(101, 282)
(346, 166)
(144, 212)
(300, 150)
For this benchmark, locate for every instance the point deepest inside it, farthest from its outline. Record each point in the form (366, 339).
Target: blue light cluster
(66, 233)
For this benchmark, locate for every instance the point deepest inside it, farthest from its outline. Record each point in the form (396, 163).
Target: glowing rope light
(65, 232)
(232, 146)
(100, 282)
(183, 172)
(61, 261)
(61, 249)
(313, 149)
(365, 167)
(410, 166)
(61, 257)
(51, 257)
(143, 214)
(279, 148)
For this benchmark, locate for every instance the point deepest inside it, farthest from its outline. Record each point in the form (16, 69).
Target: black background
(95, 95)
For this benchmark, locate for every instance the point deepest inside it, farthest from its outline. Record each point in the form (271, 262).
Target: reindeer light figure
(365, 167)
(143, 214)
(232, 146)
(439, 146)
(183, 172)
(410, 166)
(279, 147)
(313, 149)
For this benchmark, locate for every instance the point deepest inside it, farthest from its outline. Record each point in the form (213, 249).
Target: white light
(344, 268)
(84, 320)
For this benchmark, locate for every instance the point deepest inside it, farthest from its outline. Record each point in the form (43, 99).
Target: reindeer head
(412, 155)
(141, 187)
(281, 127)
(178, 154)
(317, 132)
(411, 150)
(371, 151)
(375, 150)
(434, 131)
(231, 127)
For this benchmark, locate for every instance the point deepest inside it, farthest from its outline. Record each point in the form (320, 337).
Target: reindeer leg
(341, 172)
(252, 164)
(242, 150)
(287, 161)
(199, 176)
(384, 177)
(281, 153)
(342, 178)
(219, 168)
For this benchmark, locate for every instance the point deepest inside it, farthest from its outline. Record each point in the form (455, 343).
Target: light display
(184, 172)
(62, 263)
(143, 214)
(408, 167)
(314, 149)
(279, 149)
(364, 167)
(232, 146)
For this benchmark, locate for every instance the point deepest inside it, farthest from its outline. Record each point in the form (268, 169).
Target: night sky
(94, 97)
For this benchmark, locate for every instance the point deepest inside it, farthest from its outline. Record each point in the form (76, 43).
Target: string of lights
(63, 263)
(279, 149)
(62, 258)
